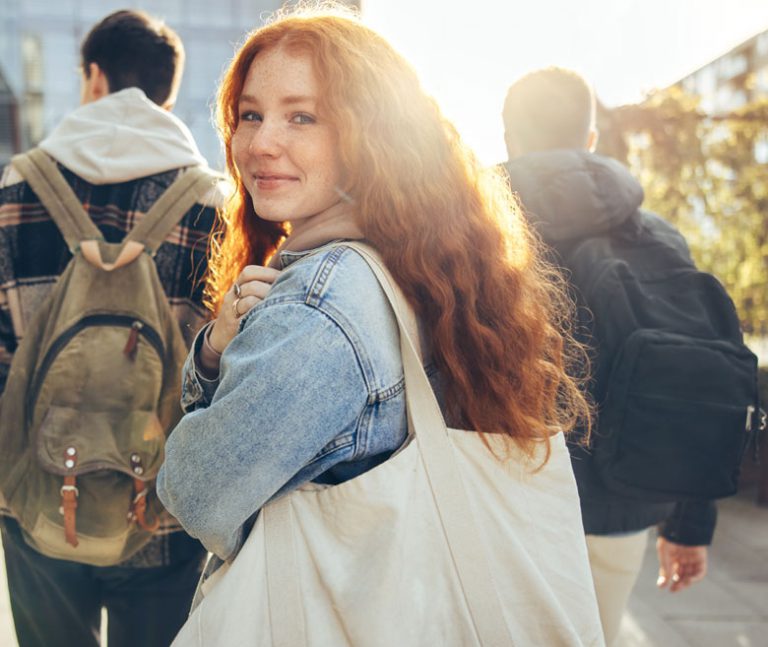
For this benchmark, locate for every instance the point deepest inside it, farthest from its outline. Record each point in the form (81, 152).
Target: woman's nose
(265, 140)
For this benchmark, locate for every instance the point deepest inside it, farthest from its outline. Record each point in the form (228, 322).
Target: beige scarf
(336, 222)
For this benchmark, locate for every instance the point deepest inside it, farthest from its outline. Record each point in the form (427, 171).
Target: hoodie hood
(570, 194)
(121, 137)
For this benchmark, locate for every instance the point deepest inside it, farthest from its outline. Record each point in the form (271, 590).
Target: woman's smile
(274, 181)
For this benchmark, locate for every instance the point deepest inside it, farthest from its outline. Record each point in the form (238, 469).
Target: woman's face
(285, 151)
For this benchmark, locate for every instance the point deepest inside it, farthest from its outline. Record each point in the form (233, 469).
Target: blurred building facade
(39, 60)
(10, 135)
(732, 80)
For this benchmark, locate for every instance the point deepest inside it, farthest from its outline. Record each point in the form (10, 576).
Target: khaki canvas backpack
(94, 385)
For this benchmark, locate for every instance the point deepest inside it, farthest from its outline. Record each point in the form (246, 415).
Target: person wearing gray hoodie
(571, 194)
(118, 151)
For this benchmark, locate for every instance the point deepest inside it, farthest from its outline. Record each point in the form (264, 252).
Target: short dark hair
(548, 109)
(133, 49)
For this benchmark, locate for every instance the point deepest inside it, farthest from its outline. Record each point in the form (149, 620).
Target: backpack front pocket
(677, 417)
(72, 441)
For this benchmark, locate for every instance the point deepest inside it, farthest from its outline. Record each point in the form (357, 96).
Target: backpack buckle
(70, 488)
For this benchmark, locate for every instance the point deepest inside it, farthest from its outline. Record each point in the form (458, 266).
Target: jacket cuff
(208, 359)
(196, 390)
(692, 523)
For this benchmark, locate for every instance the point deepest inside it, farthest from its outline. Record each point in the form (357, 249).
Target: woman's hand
(250, 288)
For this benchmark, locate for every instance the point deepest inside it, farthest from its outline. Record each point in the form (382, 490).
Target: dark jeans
(57, 603)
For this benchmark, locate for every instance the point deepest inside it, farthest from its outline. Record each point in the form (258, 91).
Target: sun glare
(467, 54)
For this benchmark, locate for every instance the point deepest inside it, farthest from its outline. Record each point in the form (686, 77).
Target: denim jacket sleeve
(291, 390)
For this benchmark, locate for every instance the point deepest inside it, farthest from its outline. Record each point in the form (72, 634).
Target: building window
(729, 98)
(706, 80)
(9, 135)
(761, 81)
(169, 11)
(209, 14)
(761, 44)
(32, 56)
(761, 150)
(32, 102)
(46, 9)
(733, 65)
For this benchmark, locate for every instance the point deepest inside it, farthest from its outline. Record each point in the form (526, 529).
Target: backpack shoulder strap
(58, 198)
(189, 188)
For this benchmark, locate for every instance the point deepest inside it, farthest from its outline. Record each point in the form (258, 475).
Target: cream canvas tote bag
(442, 545)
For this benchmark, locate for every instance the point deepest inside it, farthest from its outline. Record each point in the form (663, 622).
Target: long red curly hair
(449, 231)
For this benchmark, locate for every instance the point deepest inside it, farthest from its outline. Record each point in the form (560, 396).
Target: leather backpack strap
(69, 494)
(188, 188)
(63, 206)
(138, 512)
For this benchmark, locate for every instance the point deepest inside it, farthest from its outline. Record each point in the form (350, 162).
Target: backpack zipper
(137, 328)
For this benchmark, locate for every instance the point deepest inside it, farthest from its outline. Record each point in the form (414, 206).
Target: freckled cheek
(326, 178)
(239, 147)
(330, 171)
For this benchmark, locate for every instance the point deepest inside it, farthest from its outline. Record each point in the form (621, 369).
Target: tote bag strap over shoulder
(426, 423)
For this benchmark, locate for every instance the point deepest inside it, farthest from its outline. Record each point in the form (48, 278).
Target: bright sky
(468, 53)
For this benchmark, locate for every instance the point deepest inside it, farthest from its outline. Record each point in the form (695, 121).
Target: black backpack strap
(63, 206)
(189, 188)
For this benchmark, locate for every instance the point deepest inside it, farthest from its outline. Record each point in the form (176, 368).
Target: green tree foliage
(708, 176)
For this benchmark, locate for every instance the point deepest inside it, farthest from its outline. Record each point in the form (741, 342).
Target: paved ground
(728, 609)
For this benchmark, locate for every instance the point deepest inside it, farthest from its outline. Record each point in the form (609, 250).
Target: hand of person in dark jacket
(679, 565)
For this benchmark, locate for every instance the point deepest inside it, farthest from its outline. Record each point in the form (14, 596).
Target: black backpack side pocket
(677, 417)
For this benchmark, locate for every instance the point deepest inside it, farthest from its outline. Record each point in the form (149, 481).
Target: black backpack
(675, 386)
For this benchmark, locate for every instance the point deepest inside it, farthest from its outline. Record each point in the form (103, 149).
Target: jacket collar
(287, 257)
(570, 194)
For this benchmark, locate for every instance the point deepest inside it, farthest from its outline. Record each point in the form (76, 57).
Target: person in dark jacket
(119, 151)
(570, 193)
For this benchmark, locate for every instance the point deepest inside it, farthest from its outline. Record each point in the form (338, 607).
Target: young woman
(329, 136)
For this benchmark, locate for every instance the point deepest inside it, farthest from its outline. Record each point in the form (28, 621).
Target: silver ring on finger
(237, 290)
(235, 303)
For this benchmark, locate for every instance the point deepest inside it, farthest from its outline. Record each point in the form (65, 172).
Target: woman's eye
(302, 118)
(250, 115)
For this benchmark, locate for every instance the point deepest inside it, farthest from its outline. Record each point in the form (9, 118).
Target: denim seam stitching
(338, 444)
(316, 288)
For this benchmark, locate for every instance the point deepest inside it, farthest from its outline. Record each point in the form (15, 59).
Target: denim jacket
(310, 389)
